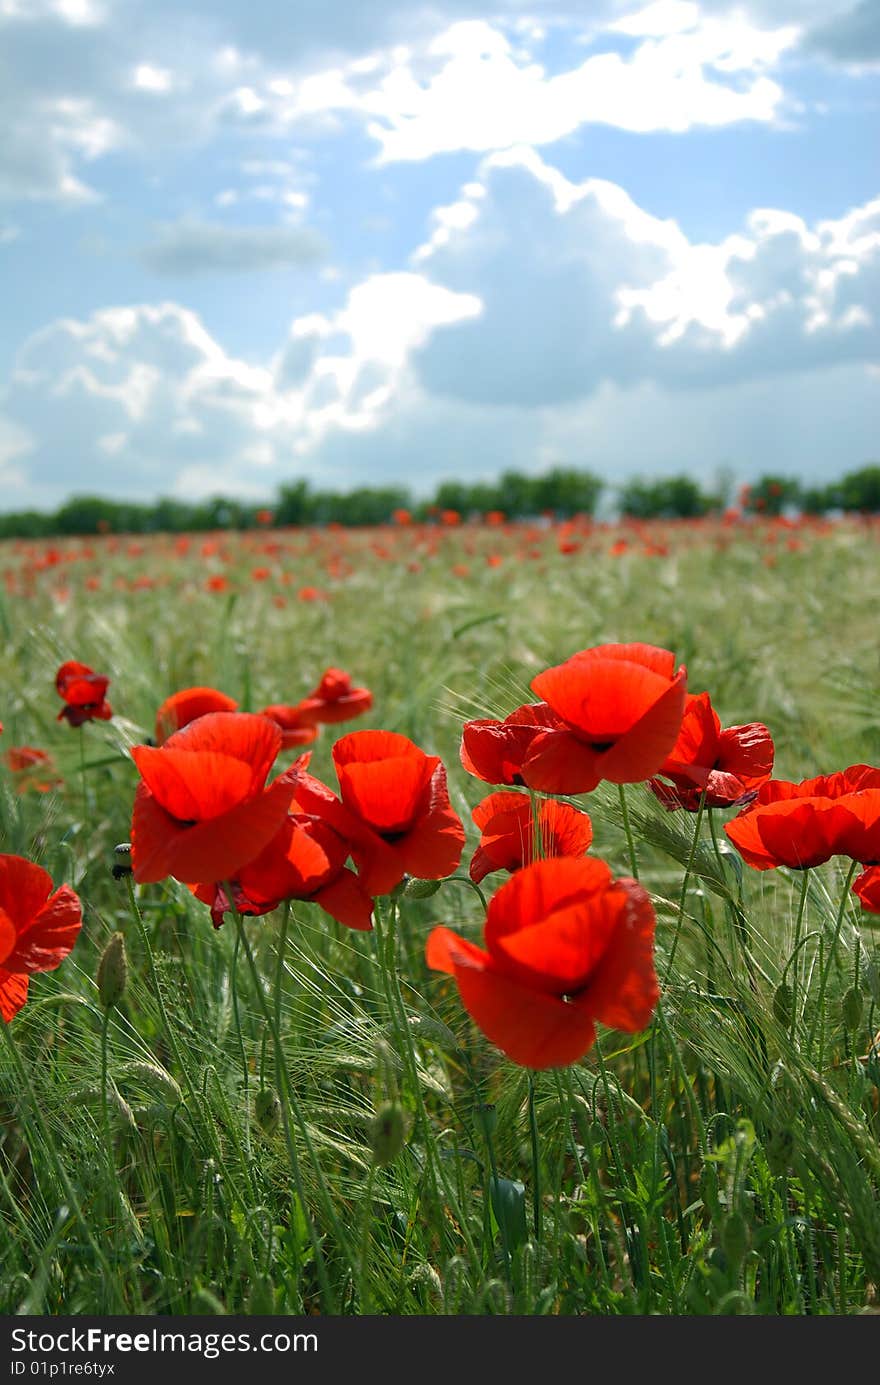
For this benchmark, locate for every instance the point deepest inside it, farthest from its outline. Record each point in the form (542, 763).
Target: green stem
(832, 951)
(684, 885)
(634, 864)
(363, 1281)
(536, 1161)
(795, 956)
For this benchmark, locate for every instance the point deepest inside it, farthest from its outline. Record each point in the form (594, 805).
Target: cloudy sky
(363, 241)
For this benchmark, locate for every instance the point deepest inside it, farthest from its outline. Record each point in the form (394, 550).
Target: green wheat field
(301, 1118)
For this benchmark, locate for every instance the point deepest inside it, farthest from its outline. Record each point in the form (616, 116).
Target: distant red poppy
(728, 766)
(201, 811)
(185, 706)
(510, 838)
(295, 729)
(805, 824)
(399, 795)
(305, 860)
(621, 706)
(866, 887)
(566, 946)
(494, 751)
(83, 691)
(334, 700)
(38, 928)
(33, 768)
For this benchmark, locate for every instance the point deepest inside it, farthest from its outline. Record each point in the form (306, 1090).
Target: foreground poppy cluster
(567, 945)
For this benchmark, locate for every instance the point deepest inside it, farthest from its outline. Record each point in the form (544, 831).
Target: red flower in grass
(305, 860)
(566, 946)
(508, 833)
(394, 809)
(34, 769)
(202, 810)
(185, 706)
(805, 824)
(295, 730)
(334, 700)
(621, 706)
(83, 691)
(728, 766)
(495, 750)
(37, 928)
(866, 887)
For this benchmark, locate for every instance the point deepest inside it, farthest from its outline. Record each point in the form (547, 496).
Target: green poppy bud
(387, 1133)
(112, 972)
(853, 1006)
(267, 1109)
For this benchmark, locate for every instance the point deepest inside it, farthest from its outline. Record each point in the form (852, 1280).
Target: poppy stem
(795, 955)
(832, 953)
(624, 811)
(82, 776)
(536, 1161)
(684, 886)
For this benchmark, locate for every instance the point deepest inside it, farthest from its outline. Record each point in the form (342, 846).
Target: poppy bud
(122, 864)
(267, 1109)
(112, 972)
(852, 1007)
(783, 1004)
(387, 1133)
(420, 889)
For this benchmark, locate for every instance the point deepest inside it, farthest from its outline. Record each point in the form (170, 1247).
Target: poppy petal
(13, 993)
(346, 900)
(542, 889)
(623, 991)
(50, 936)
(533, 1029)
(210, 851)
(24, 889)
(557, 762)
(641, 751)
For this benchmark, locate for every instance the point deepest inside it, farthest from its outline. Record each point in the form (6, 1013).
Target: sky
(370, 242)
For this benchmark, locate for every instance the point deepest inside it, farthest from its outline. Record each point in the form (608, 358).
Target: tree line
(561, 493)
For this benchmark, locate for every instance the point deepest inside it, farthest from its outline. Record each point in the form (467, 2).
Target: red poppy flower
(185, 706)
(295, 730)
(202, 810)
(334, 699)
(621, 705)
(37, 928)
(508, 832)
(83, 691)
(304, 860)
(399, 795)
(33, 768)
(867, 889)
(495, 750)
(805, 824)
(728, 766)
(566, 946)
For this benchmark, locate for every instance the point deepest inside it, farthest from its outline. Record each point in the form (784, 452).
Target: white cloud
(580, 285)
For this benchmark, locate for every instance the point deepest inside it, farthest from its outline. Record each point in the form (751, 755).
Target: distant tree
(669, 497)
(860, 490)
(770, 495)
